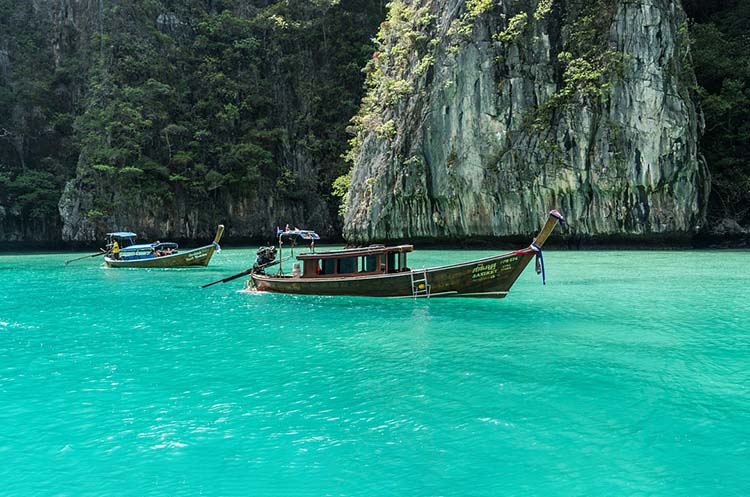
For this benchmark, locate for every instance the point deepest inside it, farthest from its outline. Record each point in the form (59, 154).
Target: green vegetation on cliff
(202, 108)
(37, 111)
(177, 106)
(722, 65)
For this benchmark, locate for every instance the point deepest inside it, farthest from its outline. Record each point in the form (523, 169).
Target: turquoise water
(627, 374)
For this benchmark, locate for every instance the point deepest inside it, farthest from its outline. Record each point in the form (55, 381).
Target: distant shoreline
(665, 242)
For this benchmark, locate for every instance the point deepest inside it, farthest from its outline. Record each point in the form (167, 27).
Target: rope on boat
(217, 247)
(539, 261)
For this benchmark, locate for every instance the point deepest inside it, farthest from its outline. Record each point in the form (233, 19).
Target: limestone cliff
(168, 117)
(481, 116)
(244, 137)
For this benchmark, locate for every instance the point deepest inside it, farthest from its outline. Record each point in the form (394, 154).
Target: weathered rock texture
(486, 140)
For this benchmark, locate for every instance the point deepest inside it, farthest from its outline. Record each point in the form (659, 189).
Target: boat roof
(357, 252)
(134, 248)
(164, 245)
(149, 246)
(123, 234)
(303, 234)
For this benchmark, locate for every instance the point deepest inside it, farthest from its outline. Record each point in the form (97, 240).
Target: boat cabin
(375, 259)
(148, 251)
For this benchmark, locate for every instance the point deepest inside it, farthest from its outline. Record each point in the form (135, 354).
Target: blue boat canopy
(136, 248)
(122, 234)
(163, 245)
(149, 246)
(307, 235)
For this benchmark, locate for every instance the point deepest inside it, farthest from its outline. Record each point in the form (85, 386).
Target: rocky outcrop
(257, 176)
(73, 208)
(482, 116)
(169, 117)
(180, 217)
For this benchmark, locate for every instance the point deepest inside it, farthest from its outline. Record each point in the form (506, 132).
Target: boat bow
(535, 248)
(219, 233)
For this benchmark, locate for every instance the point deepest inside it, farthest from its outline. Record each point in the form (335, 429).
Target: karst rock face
(483, 116)
(169, 117)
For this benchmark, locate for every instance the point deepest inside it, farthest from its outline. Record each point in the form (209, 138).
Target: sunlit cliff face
(495, 114)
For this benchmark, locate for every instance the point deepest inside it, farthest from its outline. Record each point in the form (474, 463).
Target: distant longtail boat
(381, 271)
(157, 254)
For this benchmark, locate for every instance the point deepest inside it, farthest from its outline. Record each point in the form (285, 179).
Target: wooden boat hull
(196, 257)
(491, 277)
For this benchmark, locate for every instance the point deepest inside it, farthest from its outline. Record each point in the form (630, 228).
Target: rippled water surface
(628, 374)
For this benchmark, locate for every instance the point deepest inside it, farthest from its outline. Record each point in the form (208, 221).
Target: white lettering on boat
(484, 272)
(196, 255)
(507, 264)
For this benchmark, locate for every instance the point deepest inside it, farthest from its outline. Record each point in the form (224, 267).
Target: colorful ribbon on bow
(539, 261)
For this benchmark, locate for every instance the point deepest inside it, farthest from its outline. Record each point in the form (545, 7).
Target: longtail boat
(157, 254)
(382, 271)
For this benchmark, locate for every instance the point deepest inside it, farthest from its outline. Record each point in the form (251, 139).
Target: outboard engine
(264, 257)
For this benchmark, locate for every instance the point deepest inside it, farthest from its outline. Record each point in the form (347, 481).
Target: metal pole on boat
(239, 275)
(103, 252)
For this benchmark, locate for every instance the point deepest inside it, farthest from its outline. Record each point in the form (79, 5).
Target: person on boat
(115, 250)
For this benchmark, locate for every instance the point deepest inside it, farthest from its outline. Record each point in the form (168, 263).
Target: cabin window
(369, 263)
(402, 262)
(328, 266)
(347, 265)
(391, 257)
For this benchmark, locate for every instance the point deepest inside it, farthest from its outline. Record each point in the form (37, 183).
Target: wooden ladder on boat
(420, 287)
